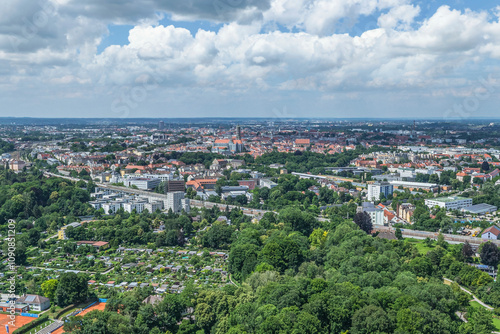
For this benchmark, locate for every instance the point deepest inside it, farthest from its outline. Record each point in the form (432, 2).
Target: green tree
(364, 221)
(72, 288)
(49, 288)
(490, 255)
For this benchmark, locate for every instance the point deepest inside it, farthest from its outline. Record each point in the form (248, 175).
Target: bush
(26, 328)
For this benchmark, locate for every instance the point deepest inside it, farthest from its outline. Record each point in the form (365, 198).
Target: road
(450, 238)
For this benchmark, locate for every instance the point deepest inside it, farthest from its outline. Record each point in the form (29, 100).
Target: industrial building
(449, 203)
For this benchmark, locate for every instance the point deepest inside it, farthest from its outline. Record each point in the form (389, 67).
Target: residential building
(377, 189)
(174, 201)
(491, 233)
(17, 165)
(376, 214)
(35, 302)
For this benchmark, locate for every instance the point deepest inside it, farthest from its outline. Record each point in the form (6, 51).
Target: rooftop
(449, 199)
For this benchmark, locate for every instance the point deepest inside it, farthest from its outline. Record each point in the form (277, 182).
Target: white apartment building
(449, 203)
(174, 201)
(111, 207)
(153, 206)
(137, 205)
(378, 188)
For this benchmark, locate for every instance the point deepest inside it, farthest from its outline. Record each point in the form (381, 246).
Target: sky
(250, 58)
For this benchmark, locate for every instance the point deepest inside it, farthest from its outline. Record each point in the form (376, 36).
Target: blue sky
(278, 58)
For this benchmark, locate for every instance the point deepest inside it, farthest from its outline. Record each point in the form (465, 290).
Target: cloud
(248, 55)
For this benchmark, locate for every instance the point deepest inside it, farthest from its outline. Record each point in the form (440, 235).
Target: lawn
(420, 245)
(496, 323)
(496, 320)
(475, 304)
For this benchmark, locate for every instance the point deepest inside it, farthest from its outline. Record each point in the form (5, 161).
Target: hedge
(26, 328)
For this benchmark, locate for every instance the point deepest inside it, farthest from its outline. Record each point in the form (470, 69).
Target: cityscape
(172, 214)
(249, 167)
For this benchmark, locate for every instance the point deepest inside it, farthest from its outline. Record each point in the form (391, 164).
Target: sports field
(20, 321)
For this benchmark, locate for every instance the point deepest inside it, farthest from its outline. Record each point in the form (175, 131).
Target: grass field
(475, 304)
(419, 244)
(496, 323)
(19, 322)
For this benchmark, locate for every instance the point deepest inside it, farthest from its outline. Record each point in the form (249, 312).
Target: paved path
(52, 327)
(470, 293)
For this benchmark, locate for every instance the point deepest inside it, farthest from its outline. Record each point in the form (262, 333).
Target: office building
(174, 186)
(142, 183)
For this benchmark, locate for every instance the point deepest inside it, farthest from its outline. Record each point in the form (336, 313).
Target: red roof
(493, 229)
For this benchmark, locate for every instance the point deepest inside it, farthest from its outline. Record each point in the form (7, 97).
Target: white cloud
(244, 55)
(400, 17)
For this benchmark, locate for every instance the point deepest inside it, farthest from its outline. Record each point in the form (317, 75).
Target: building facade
(377, 189)
(449, 203)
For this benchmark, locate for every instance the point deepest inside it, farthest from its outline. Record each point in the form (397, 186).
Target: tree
(398, 233)
(485, 166)
(49, 288)
(364, 221)
(482, 321)
(441, 242)
(467, 251)
(371, 319)
(72, 288)
(490, 255)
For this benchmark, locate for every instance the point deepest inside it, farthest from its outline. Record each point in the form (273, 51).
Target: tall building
(174, 201)
(161, 125)
(378, 188)
(238, 132)
(174, 186)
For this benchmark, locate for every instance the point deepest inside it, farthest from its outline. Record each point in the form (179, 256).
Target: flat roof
(416, 184)
(481, 208)
(449, 199)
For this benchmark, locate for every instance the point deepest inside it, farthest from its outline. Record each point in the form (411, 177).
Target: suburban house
(35, 302)
(491, 232)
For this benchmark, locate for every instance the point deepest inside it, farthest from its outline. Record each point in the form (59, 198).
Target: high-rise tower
(238, 132)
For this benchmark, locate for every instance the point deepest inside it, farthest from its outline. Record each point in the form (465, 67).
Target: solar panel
(30, 299)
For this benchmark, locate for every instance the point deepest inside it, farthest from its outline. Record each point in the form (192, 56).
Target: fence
(33, 315)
